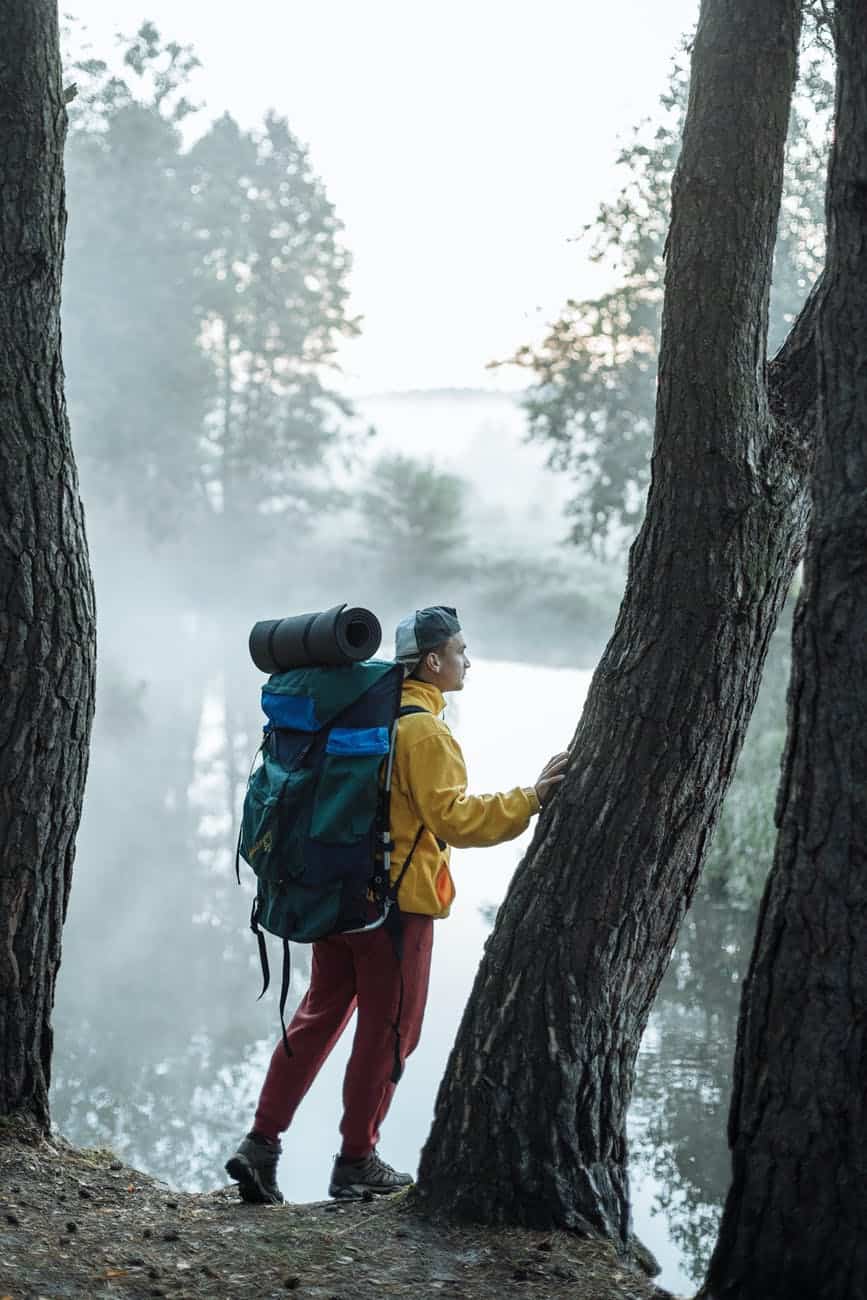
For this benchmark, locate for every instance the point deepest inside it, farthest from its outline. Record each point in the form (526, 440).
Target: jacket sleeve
(437, 778)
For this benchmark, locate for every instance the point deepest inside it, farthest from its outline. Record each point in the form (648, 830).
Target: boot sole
(358, 1191)
(249, 1183)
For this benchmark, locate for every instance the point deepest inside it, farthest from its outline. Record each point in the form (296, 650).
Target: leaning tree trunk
(530, 1118)
(794, 1221)
(46, 598)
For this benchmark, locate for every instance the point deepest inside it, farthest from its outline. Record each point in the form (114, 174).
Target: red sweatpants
(350, 970)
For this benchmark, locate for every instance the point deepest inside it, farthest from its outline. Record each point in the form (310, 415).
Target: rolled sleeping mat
(342, 635)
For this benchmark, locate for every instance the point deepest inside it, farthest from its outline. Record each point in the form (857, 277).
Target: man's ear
(433, 661)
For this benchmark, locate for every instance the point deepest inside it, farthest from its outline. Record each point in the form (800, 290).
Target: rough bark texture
(794, 1222)
(530, 1117)
(46, 602)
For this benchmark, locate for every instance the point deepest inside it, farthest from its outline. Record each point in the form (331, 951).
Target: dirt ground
(79, 1223)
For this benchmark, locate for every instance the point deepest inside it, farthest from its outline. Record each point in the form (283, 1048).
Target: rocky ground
(77, 1223)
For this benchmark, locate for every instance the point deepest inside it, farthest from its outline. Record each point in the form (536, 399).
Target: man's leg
(368, 1087)
(315, 1028)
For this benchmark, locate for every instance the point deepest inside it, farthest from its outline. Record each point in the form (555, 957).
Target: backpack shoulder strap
(402, 713)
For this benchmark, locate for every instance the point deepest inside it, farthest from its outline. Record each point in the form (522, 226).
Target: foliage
(742, 849)
(592, 402)
(411, 525)
(205, 292)
(271, 295)
(137, 382)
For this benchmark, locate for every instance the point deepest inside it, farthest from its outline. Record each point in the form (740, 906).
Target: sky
(464, 146)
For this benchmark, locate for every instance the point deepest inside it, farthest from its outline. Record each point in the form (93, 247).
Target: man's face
(448, 665)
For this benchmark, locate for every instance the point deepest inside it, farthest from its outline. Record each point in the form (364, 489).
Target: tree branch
(793, 377)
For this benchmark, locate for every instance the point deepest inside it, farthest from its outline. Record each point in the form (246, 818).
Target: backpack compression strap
(266, 972)
(241, 833)
(263, 951)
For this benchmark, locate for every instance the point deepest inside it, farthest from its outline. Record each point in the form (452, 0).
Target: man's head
(431, 646)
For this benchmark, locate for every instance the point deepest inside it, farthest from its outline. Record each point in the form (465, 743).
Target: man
(430, 811)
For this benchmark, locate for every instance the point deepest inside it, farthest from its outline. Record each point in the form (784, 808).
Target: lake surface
(161, 1045)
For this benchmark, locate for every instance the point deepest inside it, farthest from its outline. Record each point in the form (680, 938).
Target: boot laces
(376, 1168)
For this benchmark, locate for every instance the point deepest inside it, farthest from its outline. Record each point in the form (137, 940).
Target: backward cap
(421, 631)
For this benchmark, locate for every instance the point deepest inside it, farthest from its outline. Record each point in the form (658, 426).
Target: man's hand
(552, 774)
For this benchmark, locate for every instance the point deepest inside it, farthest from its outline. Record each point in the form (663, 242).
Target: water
(161, 1046)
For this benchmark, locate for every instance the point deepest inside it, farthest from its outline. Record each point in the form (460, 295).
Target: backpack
(315, 820)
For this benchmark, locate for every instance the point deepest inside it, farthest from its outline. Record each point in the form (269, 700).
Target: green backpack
(315, 821)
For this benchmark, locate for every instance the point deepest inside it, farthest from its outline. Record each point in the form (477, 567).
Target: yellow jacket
(429, 788)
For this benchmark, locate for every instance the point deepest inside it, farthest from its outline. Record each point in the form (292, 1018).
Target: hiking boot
(351, 1180)
(254, 1169)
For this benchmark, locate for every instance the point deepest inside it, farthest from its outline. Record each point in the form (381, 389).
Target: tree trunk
(794, 1221)
(530, 1118)
(46, 601)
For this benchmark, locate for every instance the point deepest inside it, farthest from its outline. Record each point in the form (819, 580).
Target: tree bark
(794, 1220)
(530, 1118)
(46, 597)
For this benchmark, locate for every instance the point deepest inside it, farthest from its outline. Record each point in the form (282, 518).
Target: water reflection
(683, 1083)
(161, 1045)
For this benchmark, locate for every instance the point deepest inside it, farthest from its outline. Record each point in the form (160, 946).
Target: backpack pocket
(348, 790)
(271, 835)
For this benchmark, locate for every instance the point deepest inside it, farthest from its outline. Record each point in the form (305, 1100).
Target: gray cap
(421, 631)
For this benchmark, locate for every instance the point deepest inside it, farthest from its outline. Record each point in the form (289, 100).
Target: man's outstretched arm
(438, 781)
